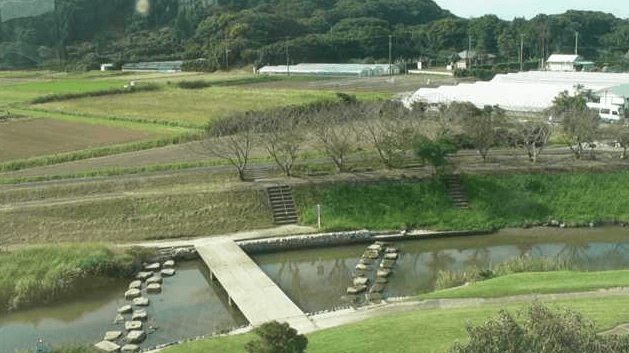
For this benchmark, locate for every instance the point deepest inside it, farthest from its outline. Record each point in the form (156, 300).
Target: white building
(565, 62)
(534, 91)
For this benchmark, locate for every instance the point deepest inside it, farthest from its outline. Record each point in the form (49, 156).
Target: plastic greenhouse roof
(528, 91)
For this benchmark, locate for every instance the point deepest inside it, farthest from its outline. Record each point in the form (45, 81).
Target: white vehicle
(607, 111)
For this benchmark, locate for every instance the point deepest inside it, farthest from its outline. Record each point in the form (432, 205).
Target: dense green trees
(254, 31)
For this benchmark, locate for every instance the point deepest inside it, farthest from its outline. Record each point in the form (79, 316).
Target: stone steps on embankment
(282, 204)
(456, 191)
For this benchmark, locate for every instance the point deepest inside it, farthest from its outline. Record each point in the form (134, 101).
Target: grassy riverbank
(496, 202)
(536, 283)
(430, 331)
(44, 274)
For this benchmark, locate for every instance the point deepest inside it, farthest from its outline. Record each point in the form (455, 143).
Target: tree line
(239, 32)
(396, 134)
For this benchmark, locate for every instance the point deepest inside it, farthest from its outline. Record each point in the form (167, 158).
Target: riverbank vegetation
(495, 202)
(431, 330)
(44, 274)
(535, 283)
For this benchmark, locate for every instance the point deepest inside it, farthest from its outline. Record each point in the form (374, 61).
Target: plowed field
(25, 138)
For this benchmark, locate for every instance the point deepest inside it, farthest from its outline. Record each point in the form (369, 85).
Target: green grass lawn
(536, 283)
(196, 107)
(429, 331)
(499, 202)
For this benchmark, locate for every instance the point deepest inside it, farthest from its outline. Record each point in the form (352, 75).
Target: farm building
(332, 70)
(157, 66)
(471, 57)
(562, 62)
(533, 91)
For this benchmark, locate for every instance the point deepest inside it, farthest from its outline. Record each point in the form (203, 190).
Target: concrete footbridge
(259, 299)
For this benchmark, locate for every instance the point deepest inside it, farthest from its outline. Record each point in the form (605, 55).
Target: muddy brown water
(187, 307)
(314, 279)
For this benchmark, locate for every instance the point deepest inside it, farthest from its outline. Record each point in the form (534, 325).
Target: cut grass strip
(95, 152)
(536, 283)
(94, 93)
(164, 128)
(429, 331)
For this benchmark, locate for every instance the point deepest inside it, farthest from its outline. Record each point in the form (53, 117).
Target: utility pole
(521, 51)
(576, 42)
(287, 61)
(468, 61)
(390, 68)
(227, 58)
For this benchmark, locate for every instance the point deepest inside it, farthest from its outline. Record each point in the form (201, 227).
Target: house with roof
(568, 62)
(472, 57)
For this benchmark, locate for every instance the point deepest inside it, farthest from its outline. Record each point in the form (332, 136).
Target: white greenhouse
(531, 91)
(332, 70)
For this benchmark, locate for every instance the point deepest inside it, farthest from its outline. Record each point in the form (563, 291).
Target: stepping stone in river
(377, 288)
(154, 279)
(141, 301)
(366, 261)
(153, 267)
(132, 325)
(137, 284)
(144, 275)
(125, 309)
(136, 336)
(119, 319)
(387, 263)
(132, 293)
(106, 346)
(375, 297)
(130, 348)
(390, 250)
(381, 280)
(167, 272)
(139, 315)
(154, 288)
(112, 335)
(390, 256)
(361, 281)
(385, 272)
(169, 263)
(376, 247)
(356, 289)
(362, 267)
(371, 254)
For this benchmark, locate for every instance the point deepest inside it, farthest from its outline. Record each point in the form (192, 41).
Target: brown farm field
(25, 138)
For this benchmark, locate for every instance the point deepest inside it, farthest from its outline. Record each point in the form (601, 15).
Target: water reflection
(317, 279)
(187, 307)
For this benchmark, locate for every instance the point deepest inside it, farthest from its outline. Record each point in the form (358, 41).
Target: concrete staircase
(282, 204)
(456, 191)
(256, 173)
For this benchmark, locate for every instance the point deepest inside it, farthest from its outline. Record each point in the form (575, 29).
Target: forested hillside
(83, 33)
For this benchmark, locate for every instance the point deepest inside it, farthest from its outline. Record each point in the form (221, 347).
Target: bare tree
(231, 139)
(578, 122)
(282, 137)
(479, 124)
(533, 137)
(390, 129)
(335, 132)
